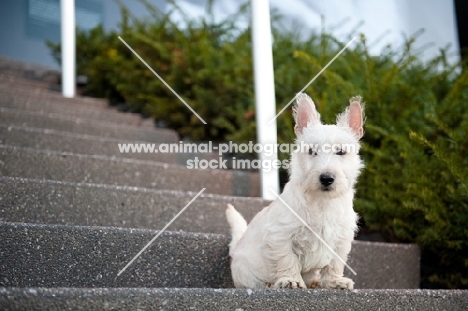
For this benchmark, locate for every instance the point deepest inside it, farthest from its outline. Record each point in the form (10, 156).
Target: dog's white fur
(276, 250)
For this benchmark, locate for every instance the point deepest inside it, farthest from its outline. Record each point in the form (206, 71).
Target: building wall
(22, 32)
(25, 25)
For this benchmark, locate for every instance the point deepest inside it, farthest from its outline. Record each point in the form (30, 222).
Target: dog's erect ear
(353, 117)
(304, 113)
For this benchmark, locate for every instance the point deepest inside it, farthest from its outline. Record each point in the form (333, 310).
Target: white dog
(276, 250)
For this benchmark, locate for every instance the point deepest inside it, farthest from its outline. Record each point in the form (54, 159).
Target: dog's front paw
(342, 282)
(288, 282)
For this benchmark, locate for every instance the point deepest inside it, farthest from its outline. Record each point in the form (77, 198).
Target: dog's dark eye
(312, 152)
(341, 152)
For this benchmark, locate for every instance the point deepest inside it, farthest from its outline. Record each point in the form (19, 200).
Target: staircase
(74, 211)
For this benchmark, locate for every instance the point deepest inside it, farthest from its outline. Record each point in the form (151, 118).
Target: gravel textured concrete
(31, 104)
(53, 202)
(47, 79)
(24, 79)
(54, 140)
(42, 94)
(11, 84)
(61, 256)
(62, 166)
(16, 117)
(384, 265)
(230, 299)
(7, 63)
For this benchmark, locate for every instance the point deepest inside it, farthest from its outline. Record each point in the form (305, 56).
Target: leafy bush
(414, 187)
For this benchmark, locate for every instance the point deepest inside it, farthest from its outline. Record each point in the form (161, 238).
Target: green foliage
(414, 187)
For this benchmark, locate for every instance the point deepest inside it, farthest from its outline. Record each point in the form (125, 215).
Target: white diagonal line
(313, 79)
(310, 228)
(162, 80)
(160, 232)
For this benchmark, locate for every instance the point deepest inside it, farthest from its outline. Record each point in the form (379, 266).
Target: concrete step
(34, 255)
(21, 68)
(19, 80)
(14, 117)
(54, 140)
(41, 94)
(39, 91)
(84, 204)
(70, 167)
(10, 71)
(63, 110)
(44, 75)
(229, 299)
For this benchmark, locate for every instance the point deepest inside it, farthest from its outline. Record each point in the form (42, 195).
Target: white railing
(67, 21)
(265, 103)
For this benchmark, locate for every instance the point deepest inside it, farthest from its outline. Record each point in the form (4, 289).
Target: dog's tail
(237, 223)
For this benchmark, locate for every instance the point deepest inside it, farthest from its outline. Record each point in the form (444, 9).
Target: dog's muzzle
(326, 180)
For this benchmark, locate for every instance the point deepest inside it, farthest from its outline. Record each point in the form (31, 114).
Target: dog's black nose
(326, 179)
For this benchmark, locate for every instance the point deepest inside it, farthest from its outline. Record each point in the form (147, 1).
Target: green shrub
(414, 187)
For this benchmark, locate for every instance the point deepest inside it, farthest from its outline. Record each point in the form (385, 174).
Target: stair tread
(41, 93)
(63, 141)
(229, 299)
(71, 167)
(81, 256)
(58, 107)
(55, 202)
(15, 117)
